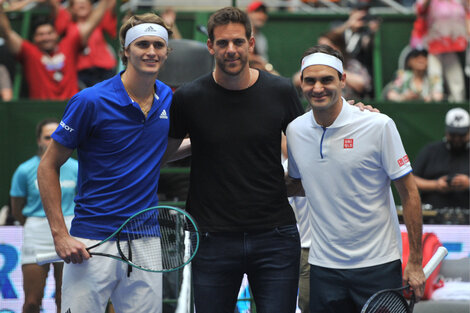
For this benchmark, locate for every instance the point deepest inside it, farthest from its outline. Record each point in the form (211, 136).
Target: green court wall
(289, 34)
(418, 123)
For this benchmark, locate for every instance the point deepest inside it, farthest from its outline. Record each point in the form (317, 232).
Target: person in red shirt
(50, 64)
(97, 60)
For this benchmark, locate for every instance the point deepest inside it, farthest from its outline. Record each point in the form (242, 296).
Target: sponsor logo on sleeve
(66, 127)
(402, 161)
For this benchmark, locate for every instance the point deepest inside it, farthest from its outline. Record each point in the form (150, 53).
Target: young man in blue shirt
(119, 128)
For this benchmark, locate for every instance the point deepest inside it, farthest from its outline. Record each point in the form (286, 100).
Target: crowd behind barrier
(391, 39)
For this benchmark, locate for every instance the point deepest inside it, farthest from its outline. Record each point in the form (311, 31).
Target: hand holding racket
(392, 300)
(157, 239)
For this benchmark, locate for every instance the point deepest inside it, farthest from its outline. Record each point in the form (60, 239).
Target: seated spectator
(50, 64)
(413, 82)
(359, 31)
(441, 169)
(258, 14)
(97, 60)
(6, 92)
(358, 83)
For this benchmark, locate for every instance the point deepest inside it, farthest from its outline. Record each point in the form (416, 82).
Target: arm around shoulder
(294, 187)
(176, 149)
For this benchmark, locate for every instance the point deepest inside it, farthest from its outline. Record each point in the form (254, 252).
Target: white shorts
(37, 238)
(87, 287)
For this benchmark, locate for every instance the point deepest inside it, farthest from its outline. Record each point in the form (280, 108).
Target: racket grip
(44, 258)
(434, 262)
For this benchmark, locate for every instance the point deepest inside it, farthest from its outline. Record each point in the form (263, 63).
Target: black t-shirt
(236, 181)
(435, 161)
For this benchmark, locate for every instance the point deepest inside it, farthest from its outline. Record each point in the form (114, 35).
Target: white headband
(319, 58)
(146, 29)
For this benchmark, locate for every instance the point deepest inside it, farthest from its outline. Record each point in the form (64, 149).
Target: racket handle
(435, 260)
(44, 258)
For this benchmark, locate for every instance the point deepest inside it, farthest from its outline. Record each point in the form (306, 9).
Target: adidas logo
(68, 311)
(148, 29)
(163, 115)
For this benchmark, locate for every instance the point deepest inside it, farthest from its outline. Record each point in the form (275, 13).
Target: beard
(227, 69)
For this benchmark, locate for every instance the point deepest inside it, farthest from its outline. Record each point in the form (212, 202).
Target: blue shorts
(346, 290)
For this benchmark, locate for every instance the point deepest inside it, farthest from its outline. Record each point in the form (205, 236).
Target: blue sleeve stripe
(411, 170)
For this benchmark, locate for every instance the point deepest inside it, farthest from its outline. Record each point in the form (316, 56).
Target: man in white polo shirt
(345, 160)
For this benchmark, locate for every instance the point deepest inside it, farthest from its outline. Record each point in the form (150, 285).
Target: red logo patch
(348, 143)
(402, 161)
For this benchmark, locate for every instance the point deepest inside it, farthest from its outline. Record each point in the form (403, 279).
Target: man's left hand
(363, 107)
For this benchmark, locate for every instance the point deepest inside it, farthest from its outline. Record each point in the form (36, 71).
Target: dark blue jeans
(269, 258)
(347, 290)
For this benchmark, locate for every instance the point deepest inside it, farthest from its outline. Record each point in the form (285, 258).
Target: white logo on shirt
(163, 115)
(66, 127)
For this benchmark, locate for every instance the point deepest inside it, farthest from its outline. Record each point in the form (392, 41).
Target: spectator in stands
(6, 92)
(359, 31)
(359, 83)
(97, 60)
(442, 168)
(50, 64)
(413, 82)
(169, 16)
(446, 36)
(28, 211)
(258, 14)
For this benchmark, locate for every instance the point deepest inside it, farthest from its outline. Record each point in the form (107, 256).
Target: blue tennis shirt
(119, 154)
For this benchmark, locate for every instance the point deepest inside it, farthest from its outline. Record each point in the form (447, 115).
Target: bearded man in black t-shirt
(234, 117)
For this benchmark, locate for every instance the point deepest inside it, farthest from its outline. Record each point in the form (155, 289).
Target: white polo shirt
(346, 170)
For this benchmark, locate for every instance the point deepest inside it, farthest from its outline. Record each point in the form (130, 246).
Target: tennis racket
(157, 239)
(392, 300)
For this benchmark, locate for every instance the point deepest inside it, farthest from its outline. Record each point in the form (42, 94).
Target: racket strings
(387, 302)
(142, 237)
(157, 239)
